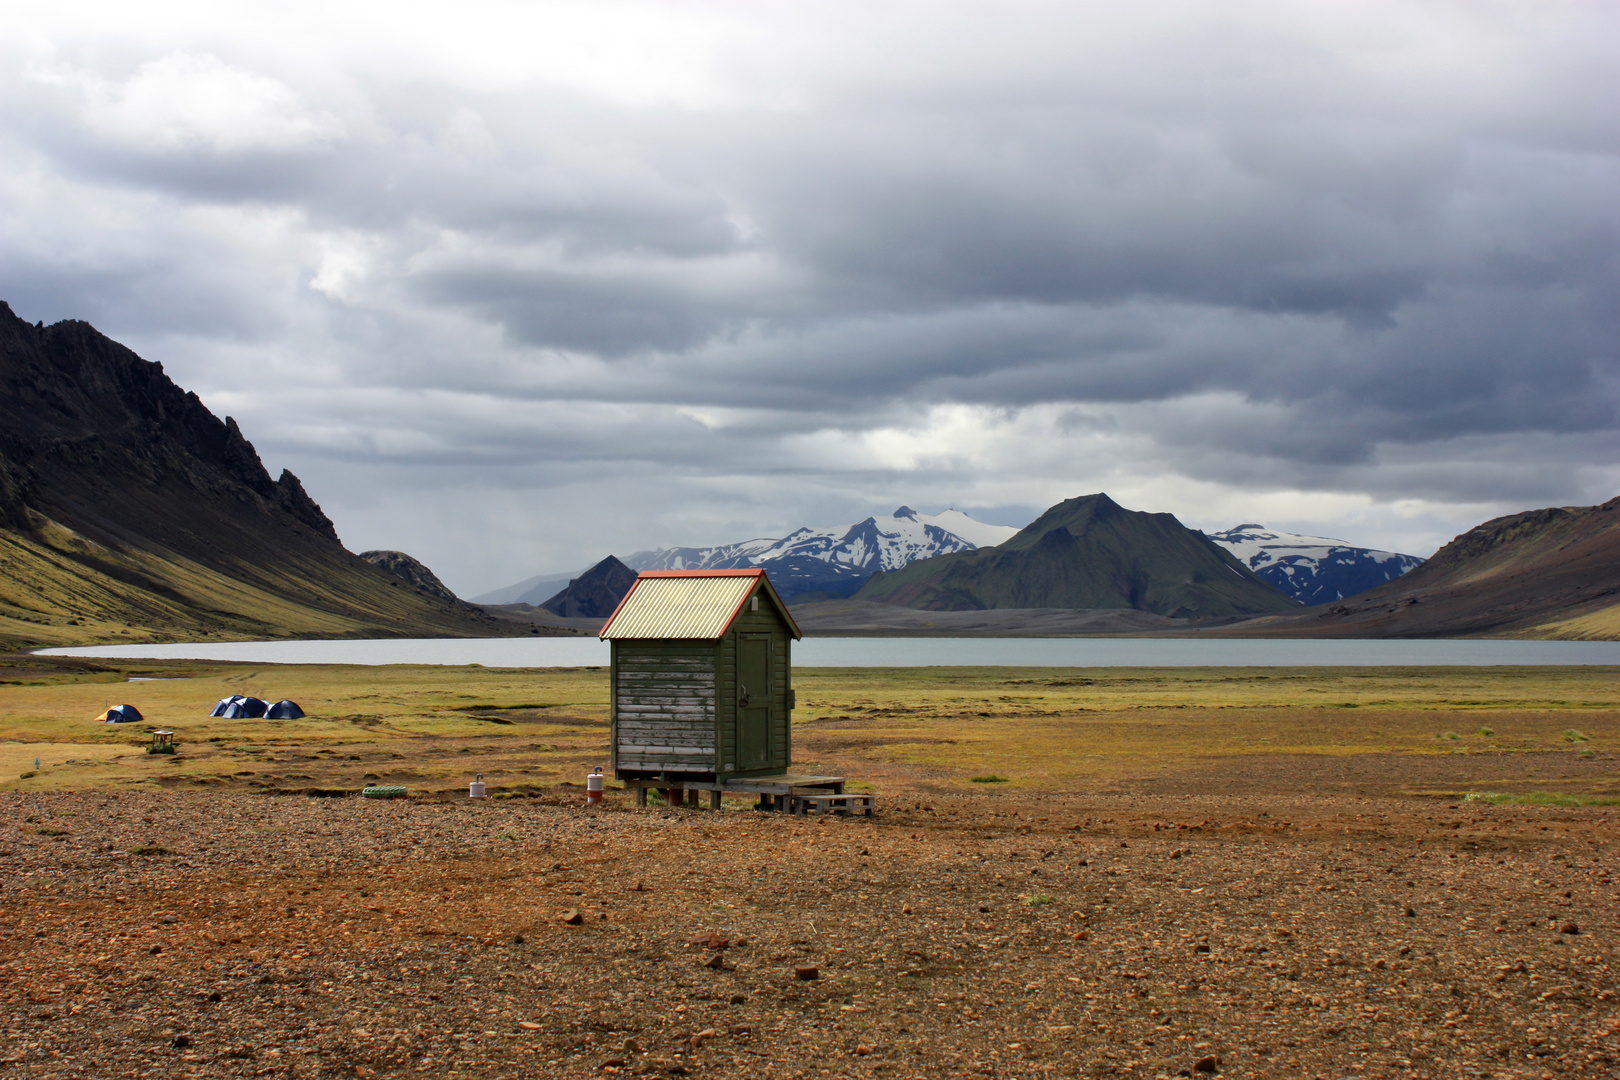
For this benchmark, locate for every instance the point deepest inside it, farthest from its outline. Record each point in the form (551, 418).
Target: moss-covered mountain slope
(129, 512)
(1087, 552)
(1549, 573)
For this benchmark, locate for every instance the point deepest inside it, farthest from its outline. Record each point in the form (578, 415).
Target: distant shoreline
(901, 651)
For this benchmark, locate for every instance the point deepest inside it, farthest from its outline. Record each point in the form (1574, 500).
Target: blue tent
(238, 706)
(121, 714)
(284, 710)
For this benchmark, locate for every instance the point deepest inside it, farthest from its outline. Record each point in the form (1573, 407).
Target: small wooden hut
(702, 689)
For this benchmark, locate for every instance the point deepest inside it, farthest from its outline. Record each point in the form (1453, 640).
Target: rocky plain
(184, 933)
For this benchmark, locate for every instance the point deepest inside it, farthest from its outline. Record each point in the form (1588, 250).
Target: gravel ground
(188, 934)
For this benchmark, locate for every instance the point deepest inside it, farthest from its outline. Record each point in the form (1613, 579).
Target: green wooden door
(754, 701)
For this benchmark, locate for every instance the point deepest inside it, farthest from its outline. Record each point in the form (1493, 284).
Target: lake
(903, 652)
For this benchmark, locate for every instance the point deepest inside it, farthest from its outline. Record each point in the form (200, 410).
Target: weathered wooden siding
(664, 706)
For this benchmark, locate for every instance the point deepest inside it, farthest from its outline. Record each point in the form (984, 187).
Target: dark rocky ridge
(410, 570)
(595, 593)
(127, 507)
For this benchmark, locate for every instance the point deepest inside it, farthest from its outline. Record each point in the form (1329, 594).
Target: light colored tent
(120, 714)
(284, 710)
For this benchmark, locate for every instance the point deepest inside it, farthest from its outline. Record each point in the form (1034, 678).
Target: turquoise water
(904, 652)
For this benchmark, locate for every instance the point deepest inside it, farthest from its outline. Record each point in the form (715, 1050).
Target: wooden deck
(775, 792)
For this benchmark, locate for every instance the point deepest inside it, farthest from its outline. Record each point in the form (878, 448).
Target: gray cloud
(1355, 268)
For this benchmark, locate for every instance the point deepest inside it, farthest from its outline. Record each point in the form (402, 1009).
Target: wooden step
(834, 804)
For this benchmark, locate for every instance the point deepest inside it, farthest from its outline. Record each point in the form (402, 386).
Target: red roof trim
(754, 573)
(787, 616)
(700, 573)
(622, 601)
(793, 626)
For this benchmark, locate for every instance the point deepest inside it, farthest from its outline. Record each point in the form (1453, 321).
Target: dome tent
(120, 714)
(284, 710)
(238, 706)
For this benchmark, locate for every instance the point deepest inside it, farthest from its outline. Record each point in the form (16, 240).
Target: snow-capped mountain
(1312, 569)
(836, 560)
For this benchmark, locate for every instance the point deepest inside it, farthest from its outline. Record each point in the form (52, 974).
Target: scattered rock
(571, 917)
(1210, 1063)
(180, 1042)
(435, 941)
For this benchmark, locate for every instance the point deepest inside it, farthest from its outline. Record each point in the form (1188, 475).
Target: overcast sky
(511, 286)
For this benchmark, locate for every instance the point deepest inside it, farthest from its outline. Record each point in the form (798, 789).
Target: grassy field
(1503, 732)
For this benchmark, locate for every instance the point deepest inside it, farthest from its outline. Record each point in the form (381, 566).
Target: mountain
(836, 561)
(403, 566)
(595, 593)
(536, 590)
(1312, 569)
(130, 512)
(1087, 552)
(1543, 573)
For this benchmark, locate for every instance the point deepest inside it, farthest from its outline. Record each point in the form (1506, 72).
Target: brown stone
(1208, 1064)
(806, 972)
(571, 917)
(1569, 928)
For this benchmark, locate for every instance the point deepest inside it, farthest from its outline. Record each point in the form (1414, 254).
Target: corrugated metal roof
(691, 604)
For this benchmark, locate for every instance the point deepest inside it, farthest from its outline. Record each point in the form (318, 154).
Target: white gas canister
(475, 790)
(595, 784)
